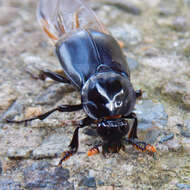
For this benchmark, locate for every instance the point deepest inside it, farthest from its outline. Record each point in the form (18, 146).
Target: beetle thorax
(107, 94)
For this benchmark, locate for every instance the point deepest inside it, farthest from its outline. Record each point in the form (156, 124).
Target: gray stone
(178, 91)
(52, 94)
(183, 186)
(42, 175)
(13, 110)
(163, 72)
(166, 138)
(8, 183)
(52, 146)
(100, 182)
(187, 2)
(8, 14)
(88, 181)
(173, 145)
(187, 124)
(124, 5)
(126, 33)
(180, 24)
(152, 135)
(133, 64)
(1, 170)
(7, 96)
(21, 142)
(185, 130)
(151, 115)
(165, 11)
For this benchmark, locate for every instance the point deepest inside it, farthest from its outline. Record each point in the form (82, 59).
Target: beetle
(93, 62)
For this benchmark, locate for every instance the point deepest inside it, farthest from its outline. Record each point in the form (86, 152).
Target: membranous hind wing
(61, 17)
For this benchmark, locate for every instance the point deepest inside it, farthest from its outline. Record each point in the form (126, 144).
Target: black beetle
(93, 62)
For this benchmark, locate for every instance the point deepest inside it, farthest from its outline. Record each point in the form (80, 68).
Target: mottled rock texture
(155, 35)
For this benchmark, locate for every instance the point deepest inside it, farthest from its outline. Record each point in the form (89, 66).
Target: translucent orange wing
(61, 17)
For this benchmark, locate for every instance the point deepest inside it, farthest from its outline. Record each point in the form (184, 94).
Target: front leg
(73, 147)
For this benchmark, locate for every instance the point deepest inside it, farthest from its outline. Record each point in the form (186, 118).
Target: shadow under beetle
(93, 63)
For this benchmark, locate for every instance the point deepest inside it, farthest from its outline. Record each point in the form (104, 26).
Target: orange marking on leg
(121, 44)
(60, 21)
(77, 25)
(49, 33)
(136, 147)
(46, 30)
(65, 156)
(150, 148)
(93, 151)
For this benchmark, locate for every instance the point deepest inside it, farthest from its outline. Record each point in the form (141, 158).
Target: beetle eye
(118, 103)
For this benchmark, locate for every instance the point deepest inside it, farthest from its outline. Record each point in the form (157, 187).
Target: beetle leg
(76, 15)
(121, 43)
(60, 23)
(46, 30)
(73, 147)
(54, 76)
(94, 150)
(142, 146)
(62, 108)
(138, 93)
(133, 131)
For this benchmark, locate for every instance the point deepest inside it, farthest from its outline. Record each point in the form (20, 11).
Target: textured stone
(173, 145)
(162, 72)
(180, 24)
(42, 175)
(52, 146)
(88, 181)
(124, 5)
(52, 94)
(8, 183)
(15, 108)
(183, 186)
(151, 115)
(126, 33)
(166, 138)
(133, 64)
(20, 142)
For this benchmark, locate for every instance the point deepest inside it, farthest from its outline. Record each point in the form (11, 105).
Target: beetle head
(108, 94)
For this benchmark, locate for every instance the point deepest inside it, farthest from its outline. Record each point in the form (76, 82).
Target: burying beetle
(93, 63)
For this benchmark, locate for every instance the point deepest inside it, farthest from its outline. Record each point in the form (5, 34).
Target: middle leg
(54, 76)
(62, 108)
(132, 138)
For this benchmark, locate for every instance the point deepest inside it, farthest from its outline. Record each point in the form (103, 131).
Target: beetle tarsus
(65, 156)
(94, 150)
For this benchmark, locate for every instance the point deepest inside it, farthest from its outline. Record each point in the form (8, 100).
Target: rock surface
(156, 40)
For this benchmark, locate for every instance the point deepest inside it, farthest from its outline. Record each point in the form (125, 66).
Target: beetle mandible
(94, 64)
